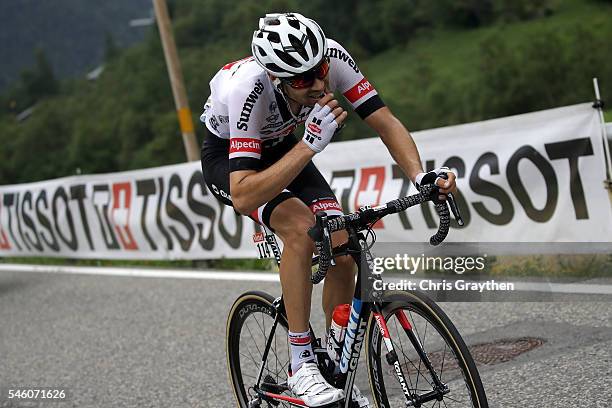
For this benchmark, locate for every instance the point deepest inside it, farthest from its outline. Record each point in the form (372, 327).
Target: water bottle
(337, 331)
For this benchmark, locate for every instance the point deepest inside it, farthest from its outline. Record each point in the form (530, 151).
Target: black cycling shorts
(309, 185)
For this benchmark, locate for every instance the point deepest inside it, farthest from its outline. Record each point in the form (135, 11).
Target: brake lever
(453, 203)
(320, 232)
(327, 242)
(455, 209)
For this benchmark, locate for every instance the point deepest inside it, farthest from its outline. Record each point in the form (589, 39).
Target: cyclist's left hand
(446, 186)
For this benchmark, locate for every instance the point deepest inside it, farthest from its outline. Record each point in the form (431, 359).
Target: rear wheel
(449, 356)
(248, 327)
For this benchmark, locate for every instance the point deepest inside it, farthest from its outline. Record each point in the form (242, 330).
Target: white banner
(533, 177)
(158, 213)
(536, 177)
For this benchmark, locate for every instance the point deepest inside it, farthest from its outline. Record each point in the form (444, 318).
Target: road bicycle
(414, 354)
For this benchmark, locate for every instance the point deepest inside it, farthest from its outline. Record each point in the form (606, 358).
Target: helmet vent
(287, 59)
(298, 46)
(312, 40)
(294, 23)
(273, 67)
(261, 51)
(274, 37)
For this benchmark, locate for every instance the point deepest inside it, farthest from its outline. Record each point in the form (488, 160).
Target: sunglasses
(306, 79)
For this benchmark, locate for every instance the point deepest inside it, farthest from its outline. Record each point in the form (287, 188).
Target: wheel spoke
(453, 399)
(417, 369)
(251, 357)
(253, 338)
(277, 361)
(399, 337)
(416, 329)
(443, 359)
(249, 375)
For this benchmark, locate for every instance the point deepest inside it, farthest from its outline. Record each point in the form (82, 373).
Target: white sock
(301, 350)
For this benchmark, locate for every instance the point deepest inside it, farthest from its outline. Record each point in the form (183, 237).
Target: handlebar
(360, 220)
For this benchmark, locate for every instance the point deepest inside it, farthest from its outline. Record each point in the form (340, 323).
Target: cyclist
(252, 161)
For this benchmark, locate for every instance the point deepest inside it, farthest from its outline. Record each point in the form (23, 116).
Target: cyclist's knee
(345, 267)
(295, 231)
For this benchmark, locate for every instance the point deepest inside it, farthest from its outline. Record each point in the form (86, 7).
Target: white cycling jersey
(247, 108)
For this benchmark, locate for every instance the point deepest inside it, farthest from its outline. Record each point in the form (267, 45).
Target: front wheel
(412, 314)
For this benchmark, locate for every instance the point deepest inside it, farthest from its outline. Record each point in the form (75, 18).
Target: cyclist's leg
(290, 220)
(311, 187)
(339, 285)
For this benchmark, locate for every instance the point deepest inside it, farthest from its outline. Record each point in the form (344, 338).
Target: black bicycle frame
(360, 312)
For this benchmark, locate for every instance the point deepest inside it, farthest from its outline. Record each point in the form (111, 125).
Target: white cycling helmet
(288, 44)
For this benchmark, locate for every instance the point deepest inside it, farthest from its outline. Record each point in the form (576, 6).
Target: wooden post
(176, 80)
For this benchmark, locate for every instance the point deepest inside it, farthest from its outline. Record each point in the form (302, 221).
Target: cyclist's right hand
(322, 123)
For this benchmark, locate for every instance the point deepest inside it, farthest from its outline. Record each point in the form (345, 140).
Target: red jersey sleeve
(346, 77)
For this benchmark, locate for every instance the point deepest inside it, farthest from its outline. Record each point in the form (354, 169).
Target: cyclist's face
(308, 96)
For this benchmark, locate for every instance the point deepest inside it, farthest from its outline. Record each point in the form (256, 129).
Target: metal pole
(176, 80)
(599, 105)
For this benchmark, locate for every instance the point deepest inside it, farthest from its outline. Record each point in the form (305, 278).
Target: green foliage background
(435, 63)
(72, 33)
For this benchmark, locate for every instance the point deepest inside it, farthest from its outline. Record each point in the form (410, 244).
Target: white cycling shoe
(309, 385)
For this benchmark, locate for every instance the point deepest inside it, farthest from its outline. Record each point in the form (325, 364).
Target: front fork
(412, 399)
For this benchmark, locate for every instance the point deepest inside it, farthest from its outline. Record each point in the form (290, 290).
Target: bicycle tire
(421, 312)
(239, 362)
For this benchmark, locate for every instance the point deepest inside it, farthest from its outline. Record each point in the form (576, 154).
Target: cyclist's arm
(400, 144)
(398, 140)
(250, 184)
(251, 188)
(363, 97)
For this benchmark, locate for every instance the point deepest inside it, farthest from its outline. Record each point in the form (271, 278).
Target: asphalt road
(147, 342)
